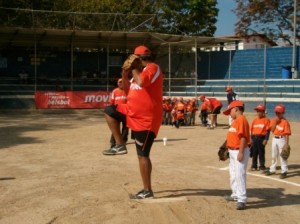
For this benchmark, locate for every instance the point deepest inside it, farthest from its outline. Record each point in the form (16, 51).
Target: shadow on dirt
(258, 197)
(16, 123)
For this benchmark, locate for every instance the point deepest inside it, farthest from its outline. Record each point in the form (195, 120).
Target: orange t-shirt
(144, 105)
(189, 107)
(170, 107)
(204, 106)
(283, 128)
(215, 103)
(260, 126)
(239, 128)
(165, 106)
(118, 96)
(180, 106)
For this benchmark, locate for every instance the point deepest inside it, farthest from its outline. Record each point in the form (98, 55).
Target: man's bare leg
(145, 170)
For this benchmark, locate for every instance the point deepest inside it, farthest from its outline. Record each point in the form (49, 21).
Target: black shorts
(143, 142)
(111, 110)
(217, 110)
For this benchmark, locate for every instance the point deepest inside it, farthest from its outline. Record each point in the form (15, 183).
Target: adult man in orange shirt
(213, 108)
(143, 113)
(260, 132)
(237, 141)
(280, 127)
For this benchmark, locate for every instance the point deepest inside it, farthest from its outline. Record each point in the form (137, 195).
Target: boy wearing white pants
(281, 130)
(237, 141)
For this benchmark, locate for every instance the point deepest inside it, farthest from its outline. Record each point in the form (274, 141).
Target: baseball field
(52, 171)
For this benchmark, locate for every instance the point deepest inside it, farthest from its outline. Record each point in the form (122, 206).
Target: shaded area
(15, 124)
(265, 197)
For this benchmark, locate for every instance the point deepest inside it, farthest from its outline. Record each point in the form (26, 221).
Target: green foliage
(274, 18)
(191, 17)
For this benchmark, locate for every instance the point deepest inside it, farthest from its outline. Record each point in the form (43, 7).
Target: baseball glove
(132, 62)
(285, 152)
(223, 152)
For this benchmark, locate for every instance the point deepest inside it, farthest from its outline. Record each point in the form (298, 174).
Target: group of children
(244, 140)
(177, 112)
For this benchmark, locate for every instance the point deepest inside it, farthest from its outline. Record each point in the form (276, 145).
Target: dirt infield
(53, 171)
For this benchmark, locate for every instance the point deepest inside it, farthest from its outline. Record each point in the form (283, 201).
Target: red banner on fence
(71, 99)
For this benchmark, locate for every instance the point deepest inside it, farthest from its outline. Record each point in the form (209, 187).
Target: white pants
(277, 145)
(237, 172)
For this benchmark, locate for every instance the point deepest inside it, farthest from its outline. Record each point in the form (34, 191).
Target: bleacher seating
(271, 88)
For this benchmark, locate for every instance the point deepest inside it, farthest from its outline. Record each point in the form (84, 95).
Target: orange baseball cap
(280, 108)
(260, 107)
(233, 104)
(142, 50)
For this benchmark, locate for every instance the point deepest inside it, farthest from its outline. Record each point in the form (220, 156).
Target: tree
(274, 18)
(191, 17)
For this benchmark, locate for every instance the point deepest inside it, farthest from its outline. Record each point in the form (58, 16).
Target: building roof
(263, 37)
(15, 36)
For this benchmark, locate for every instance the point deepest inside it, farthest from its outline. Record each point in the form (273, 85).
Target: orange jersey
(189, 107)
(144, 105)
(238, 129)
(180, 106)
(118, 96)
(170, 106)
(195, 107)
(204, 106)
(215, 103)
(260, 126)
(283, 128)
(165, 106)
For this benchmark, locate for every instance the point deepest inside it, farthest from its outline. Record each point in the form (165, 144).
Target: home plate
(160, 200)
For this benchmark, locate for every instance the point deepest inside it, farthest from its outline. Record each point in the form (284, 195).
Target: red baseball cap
(279, 108)
(260, 107)
(228, 89)
(233, 104)
(142, 50)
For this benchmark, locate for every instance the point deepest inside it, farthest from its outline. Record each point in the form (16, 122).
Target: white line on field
(258, 175)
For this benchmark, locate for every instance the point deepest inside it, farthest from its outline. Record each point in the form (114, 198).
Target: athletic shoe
(229, 198)
(254, 169)
(269, 173)
(142, 195)
(283, 175)
(240, 206)
(116, 150)
(263, 168)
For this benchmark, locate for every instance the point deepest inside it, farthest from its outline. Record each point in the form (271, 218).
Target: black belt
(258, 136)
(279, 136)
(234, 148)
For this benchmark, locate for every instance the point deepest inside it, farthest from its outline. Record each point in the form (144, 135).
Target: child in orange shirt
(281, 130)
(203, 114)
(260, 132)
(237, 141)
